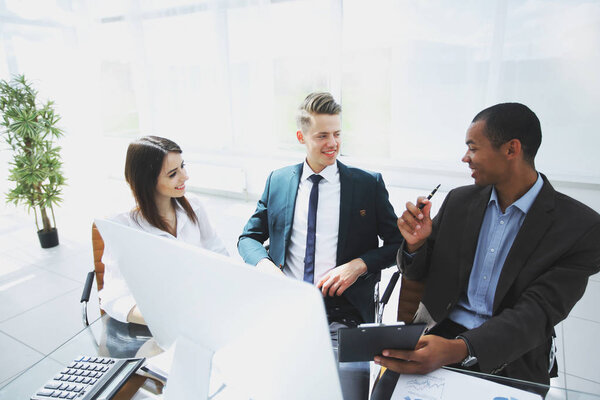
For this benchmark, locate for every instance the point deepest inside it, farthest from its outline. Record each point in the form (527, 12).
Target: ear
(513, 149)
(300, 136)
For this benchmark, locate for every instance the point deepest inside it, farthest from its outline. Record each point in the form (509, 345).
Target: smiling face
(322, 140)
(489, 165)
(172, 177)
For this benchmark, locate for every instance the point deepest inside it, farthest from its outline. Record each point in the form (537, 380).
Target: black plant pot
(48, 239)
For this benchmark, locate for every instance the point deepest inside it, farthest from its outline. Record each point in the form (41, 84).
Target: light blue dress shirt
(497, 234)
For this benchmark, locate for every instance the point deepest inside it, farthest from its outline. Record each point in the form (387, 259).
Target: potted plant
(30, 129)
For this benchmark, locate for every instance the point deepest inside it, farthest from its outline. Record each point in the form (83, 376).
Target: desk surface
(107, 337)
(104, 337)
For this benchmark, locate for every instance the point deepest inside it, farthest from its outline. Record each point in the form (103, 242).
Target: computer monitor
(268, 335)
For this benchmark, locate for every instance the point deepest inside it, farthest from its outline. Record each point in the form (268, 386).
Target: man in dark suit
(338, 248)
(504, 260)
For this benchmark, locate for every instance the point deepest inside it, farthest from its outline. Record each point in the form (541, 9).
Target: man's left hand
(336, 281)
(431, 353)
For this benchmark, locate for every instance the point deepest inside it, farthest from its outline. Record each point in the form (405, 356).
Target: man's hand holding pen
(415, 222)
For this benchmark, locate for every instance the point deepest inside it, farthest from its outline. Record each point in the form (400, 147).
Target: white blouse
(115, 297)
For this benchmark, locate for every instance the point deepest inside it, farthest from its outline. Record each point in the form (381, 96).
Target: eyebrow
(173, 170)
(470, 141)
(319, 133)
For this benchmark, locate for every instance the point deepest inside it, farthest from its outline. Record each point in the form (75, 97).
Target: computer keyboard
(87, 378)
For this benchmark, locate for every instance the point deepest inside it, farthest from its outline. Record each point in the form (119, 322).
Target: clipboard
(366, 341)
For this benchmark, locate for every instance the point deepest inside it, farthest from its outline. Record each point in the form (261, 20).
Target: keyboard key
(78, 388)
(63, 386)
(45, 392)
(71, 378)
(79, 379)
(87, 380)
(63, 395)
(71, 396)
(52, 385)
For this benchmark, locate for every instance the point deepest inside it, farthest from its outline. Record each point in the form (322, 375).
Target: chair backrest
(98, 247)
(408, 301)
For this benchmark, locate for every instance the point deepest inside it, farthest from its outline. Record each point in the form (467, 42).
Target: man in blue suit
(324, 219)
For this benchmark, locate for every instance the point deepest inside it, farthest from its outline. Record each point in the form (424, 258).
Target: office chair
(409, 299)
(98, 272)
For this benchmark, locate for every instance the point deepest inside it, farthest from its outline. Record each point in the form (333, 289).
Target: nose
(466, 158)
(331, 142)
(185, 175)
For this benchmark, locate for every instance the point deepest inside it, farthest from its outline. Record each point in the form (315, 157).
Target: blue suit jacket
(365, 215)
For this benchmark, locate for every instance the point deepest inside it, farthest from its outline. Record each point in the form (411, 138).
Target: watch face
(469, 361)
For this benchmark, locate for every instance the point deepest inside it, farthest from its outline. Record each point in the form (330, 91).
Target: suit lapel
(290, 201)
(536, 223)
(470, 235)
(346, 190)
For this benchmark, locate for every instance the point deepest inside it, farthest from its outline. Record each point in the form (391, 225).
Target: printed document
(443, 384)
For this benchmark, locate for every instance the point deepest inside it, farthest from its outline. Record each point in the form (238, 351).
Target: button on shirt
(498, 232)
(328, 222)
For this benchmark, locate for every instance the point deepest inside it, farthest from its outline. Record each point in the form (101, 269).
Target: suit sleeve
(256, 232)
(543, 304)
(386, 219)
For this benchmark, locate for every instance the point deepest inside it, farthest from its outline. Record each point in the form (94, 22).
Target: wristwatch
(470, 359)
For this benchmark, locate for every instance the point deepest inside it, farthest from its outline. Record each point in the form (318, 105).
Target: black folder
(365, 342)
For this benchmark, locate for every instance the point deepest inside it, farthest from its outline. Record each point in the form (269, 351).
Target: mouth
(182, 187)
(330, 153)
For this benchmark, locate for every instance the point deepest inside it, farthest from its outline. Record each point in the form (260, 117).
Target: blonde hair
(316, 103)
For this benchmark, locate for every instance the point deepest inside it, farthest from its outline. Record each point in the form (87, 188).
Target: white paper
(443, 384)
(161, 363)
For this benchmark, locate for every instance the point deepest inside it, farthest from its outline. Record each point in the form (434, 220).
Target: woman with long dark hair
(155, 172)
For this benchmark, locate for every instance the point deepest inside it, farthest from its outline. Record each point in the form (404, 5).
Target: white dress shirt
(115, 297)
(328, 222)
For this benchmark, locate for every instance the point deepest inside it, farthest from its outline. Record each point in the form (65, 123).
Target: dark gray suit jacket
(544, 275)
(365, 215)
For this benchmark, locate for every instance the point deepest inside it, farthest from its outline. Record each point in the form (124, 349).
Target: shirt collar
(525, 202)
(329, 173)
(181, 222)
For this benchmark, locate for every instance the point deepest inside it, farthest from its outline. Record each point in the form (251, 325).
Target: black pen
(430, 196)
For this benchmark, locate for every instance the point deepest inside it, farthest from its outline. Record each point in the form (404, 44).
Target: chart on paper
(449, 385)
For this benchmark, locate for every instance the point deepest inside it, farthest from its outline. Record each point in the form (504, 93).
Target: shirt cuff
(119, 308)
(408, 257)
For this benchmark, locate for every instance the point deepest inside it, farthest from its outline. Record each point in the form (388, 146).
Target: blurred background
(223, 79)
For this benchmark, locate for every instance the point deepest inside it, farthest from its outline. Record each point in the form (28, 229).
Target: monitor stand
(191, 363)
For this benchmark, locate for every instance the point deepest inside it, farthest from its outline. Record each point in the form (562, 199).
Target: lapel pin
(363, 213)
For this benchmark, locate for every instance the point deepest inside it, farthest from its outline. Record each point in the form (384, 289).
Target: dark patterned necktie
(311, 229)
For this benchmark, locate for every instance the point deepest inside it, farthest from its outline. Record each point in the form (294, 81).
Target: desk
(104, 337)
(107, 337)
